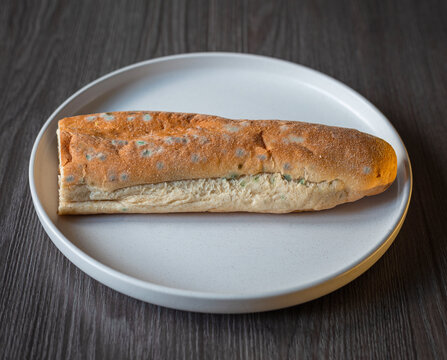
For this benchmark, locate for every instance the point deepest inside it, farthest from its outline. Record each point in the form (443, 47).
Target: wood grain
(393, 52)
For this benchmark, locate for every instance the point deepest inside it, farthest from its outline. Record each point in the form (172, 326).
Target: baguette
(161, 162)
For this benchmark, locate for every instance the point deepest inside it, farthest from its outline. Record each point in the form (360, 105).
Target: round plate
(225, 263)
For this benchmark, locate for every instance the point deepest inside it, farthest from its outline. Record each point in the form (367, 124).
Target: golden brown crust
(122, 149)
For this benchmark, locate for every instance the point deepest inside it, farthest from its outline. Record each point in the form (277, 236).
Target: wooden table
(392, 52)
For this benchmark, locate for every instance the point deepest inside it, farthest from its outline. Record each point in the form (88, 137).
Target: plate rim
(322, 286)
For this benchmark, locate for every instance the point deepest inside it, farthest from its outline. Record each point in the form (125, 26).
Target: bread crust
(112, 151)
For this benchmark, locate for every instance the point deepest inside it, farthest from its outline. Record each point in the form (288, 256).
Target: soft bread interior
(269, 193)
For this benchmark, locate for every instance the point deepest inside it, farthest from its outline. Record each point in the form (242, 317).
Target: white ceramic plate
(224, 262)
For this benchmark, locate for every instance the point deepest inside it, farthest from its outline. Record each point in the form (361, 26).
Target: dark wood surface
(392, 52)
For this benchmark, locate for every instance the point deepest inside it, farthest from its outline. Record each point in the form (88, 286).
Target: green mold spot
(108, 116)
(231, 128)
(240, 152)
(195, 158)
(146, 153)
(296, 139)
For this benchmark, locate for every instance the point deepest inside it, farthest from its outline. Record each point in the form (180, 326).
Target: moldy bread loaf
(151, 161)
